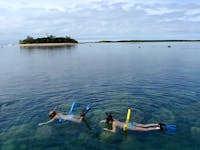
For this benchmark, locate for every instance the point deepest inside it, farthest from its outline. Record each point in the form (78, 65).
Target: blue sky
(100, 19)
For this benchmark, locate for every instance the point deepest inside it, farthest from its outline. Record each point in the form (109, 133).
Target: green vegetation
(48, 39)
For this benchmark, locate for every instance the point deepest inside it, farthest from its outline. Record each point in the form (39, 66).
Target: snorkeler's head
(109, 119)
(52, 114)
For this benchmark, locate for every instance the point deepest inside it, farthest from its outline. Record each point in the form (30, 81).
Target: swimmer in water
(61, 117)
(131, 126)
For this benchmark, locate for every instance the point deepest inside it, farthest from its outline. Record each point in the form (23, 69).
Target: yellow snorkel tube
(128, 118)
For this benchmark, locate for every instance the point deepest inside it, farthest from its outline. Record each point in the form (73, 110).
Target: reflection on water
(160, 84)
(49, 49)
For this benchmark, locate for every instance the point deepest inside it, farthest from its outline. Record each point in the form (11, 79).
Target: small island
(47, 41)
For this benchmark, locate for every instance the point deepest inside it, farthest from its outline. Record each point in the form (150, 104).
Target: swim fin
(72, 108)
(171, 128)
(168, 128)
(86, 110)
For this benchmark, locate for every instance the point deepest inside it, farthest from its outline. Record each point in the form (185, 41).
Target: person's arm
(105, 129)
(113, 129)
(103, 121)
(46, 122)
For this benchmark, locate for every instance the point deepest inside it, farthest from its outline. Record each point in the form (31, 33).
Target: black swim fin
(86, 110)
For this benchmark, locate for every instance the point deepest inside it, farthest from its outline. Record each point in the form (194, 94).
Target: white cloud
(159, 11)
(193, 12)
(190, 19)
(100, 18)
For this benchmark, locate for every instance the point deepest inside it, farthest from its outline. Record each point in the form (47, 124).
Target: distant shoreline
(46, 44)
(121, 41)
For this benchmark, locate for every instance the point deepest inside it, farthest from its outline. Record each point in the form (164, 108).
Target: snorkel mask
(52, 114)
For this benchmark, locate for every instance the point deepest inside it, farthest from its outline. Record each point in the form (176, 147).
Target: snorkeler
(70, 117)
(61, 117)
(131, 126)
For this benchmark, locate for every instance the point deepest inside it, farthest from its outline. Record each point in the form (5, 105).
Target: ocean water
(160, 84)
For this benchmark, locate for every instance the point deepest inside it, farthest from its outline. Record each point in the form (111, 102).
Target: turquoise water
(160, 84)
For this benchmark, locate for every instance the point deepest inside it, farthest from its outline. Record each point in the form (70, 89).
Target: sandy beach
(46, 44)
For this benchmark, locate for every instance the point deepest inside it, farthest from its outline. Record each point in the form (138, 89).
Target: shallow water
(160, 84)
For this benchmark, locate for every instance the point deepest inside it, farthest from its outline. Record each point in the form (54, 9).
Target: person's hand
(105, 129)
(102, 121)
(40, 124)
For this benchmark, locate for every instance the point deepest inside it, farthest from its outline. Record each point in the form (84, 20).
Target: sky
(93, 20)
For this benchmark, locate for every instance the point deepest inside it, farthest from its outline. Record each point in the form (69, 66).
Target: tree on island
(48, 39)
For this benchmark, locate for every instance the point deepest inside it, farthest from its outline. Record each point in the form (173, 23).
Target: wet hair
(52, 114)
(109, 118)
